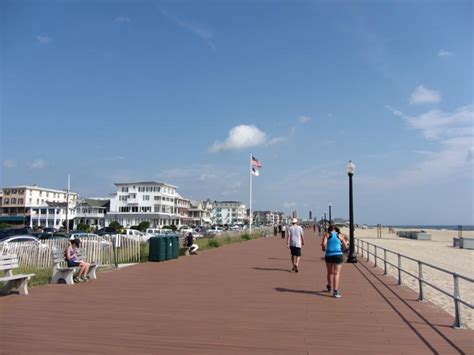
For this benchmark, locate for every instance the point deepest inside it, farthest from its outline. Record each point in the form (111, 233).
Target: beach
(439, 252)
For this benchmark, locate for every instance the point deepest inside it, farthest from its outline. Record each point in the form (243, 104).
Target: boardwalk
(238, 299)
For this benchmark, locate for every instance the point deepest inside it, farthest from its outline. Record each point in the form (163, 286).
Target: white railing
(456, 296)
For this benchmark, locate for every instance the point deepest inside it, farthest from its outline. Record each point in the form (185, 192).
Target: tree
(143, 226)
(115, 224)
(84, 227)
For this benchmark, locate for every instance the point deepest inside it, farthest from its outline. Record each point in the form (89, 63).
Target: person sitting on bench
(190, 244)
(75, 259)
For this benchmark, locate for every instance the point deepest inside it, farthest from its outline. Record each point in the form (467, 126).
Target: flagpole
(250, 193)
(67, 201)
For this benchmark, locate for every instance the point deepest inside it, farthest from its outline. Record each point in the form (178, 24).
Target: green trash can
(175, 246)
(169, 246)
(157, 249)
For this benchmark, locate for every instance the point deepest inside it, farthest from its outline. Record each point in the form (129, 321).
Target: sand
(439, 252)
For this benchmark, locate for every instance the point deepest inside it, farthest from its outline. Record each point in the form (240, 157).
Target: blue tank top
(334, 245)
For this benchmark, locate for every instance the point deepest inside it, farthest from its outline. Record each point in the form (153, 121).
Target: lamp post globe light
(352, 258)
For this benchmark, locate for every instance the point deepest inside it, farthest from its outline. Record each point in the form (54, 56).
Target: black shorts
(334, 259)
(71, 263)
(295, 251)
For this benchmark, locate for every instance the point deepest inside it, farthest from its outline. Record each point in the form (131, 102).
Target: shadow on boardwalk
(237, 299)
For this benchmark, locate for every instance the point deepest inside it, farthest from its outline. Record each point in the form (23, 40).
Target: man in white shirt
(295, 241)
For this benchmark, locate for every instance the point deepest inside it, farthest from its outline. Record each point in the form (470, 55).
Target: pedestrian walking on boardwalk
(295, 242)
(283, 231)
(334, 243)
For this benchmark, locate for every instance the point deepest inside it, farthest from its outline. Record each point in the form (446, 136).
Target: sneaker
(328, 288)
(337, 294)
(296, 268)
(76, 279)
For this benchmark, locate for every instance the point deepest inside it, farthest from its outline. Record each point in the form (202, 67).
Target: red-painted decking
(237, 299)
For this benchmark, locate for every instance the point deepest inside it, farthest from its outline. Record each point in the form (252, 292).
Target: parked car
(213, 231)
(20, 239)
(9, 232)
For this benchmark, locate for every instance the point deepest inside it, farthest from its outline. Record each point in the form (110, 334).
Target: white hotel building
(36, 206)
(229, 212)
(150, 201)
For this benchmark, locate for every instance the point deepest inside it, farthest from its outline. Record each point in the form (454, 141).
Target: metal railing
(421, 281)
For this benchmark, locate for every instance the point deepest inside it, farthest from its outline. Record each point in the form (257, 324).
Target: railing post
(375, 256)
(368, 251)
(420, 281)
(399, 269)
(385, 261)
(457, 308)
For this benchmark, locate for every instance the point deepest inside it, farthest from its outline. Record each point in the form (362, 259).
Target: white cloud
(289, 204)
(444, 53)
(199, 31)
(37, 164)
(436, 124)
(240, 137)
(454, 131)
(43, 39)
(122, 19)
(9, 164)
(304, 119)
(423, 95)
(277, 140)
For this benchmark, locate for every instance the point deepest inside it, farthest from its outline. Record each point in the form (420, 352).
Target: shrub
(144, 252)
(213, 243)
(246, 237)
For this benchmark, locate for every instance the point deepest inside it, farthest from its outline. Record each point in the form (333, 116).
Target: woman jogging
(334, 243)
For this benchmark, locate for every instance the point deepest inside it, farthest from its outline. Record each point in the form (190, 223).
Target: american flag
(256, 163)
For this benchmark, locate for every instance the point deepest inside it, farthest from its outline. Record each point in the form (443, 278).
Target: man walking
(295, 241)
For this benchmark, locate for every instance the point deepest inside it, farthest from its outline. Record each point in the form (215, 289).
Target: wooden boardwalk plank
(238, 299)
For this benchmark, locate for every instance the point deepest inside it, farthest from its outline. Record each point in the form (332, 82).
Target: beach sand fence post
(399, 269)
(420, 281)
(457, 309)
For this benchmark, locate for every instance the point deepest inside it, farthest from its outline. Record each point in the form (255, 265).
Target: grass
(42, 275)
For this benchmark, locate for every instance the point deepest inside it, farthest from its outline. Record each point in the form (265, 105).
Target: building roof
(55, 204)
(96, 203)
(144, 183)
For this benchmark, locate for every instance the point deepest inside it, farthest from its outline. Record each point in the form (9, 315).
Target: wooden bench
(17, 282)
(66, 274)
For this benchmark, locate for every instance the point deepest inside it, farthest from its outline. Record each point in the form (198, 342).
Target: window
(41, 193)
(146, 197)
(157, 198)
(13, 201)
(6, 201)
(135, 209)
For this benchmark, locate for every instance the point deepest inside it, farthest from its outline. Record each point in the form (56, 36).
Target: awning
(12, 218)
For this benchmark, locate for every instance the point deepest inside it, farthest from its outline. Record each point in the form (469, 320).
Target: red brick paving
(237, 299)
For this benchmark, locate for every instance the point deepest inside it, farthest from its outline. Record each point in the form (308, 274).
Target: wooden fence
(95, 249)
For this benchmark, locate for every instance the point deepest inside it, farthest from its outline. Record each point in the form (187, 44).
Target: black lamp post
(325, 222)
(330, 219)
(352, 258)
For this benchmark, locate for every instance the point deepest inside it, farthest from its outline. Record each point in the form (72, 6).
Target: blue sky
(183, 92)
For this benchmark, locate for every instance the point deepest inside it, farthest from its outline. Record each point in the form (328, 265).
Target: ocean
(440, 227)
